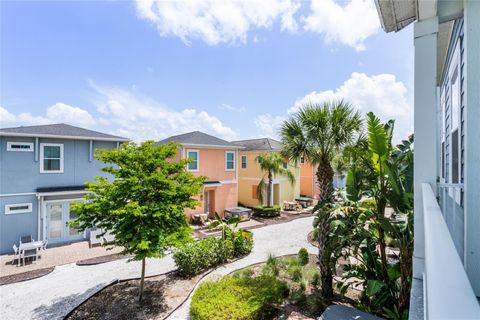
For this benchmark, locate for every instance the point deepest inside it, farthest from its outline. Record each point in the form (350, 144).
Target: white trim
(198, 159)
(210, 146)
(30, 146)
(39, 213)
(61, 193)
(14, 134)
(42, 170)
(8, 208)
(228, 182)
(226, 160)
(18, 194)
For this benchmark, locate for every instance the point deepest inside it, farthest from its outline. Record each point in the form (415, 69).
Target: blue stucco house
(42, 170)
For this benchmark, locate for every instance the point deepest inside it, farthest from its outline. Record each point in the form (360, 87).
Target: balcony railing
(448, 293)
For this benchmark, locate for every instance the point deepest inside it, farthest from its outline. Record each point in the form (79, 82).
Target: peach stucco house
(308, 179)
(217, 160)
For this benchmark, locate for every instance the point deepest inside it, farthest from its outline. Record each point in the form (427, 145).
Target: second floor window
(193, 156)
(285, 165)
(302, 160)
(244, 162)
(230, 160)
(51, 158)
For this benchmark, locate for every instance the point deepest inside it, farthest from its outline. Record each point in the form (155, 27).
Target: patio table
(34, 245)
(304, 201)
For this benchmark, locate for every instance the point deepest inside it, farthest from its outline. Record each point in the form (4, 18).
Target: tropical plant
(143, 205)
(384, 174)
(272, 164)
(225, 226)
(318, 132)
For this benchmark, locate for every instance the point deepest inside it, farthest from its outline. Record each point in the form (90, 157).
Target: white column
(425, 127)
(472, 145)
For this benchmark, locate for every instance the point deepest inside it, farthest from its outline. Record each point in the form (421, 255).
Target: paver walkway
(54, 295)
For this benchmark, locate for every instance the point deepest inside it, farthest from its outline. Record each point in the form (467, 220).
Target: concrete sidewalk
(54, 295)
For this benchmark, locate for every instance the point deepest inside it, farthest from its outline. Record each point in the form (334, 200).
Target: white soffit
(444, 34)
(396, 14)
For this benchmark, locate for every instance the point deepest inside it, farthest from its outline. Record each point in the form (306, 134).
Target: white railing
(448, 292)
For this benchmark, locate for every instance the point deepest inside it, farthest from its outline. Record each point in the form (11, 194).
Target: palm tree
(318, 132)
(272, 164)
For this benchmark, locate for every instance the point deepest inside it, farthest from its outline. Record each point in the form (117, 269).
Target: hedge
(266, 212)
(238, 298)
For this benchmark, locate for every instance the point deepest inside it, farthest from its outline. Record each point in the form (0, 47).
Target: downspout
(39, 211)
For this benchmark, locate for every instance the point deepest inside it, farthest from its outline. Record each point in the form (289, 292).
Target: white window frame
(10, 143)
(241, 164)
(198, 159)
(455, 67)
(226, 160)
(42, 169)
(8, 208)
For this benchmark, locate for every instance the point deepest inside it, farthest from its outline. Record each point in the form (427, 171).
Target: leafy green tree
(272, 164)
(319, 132)
(143, 205)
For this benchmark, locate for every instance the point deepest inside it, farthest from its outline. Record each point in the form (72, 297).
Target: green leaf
(377, 137)
(374, 286)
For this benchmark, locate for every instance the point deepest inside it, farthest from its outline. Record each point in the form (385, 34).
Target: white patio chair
(42, 248)
(16, 254)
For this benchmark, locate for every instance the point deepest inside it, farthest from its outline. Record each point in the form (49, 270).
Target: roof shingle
(262, 144)
(198, 138)
(59, 130)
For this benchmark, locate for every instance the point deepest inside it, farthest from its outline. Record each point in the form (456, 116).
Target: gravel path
(54, 295)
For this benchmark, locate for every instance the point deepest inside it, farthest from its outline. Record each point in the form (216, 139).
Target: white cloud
(57, 113)
(231, 108)
(382, 94)
(268, 125)
(213, 21)
(140, 118)
(349, 24)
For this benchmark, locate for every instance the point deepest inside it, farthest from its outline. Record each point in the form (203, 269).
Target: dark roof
(262, 144)
(59, 129)
(198, 138)
(58, 189)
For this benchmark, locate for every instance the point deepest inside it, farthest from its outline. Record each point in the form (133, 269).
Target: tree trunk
(325, 181)
(269, 189)
(324, 256)
(405, 276)
(142, 281)
(381, 204)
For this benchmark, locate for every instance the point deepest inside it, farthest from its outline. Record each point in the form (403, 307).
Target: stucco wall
(308, 185)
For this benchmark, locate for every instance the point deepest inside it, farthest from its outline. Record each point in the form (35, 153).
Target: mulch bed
(162, 295)
(282, 218)
(101, 259)
(24, 276)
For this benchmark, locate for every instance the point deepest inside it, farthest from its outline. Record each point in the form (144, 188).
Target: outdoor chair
(26, 239)
(42, 248)
(16, 254)
(29, 254)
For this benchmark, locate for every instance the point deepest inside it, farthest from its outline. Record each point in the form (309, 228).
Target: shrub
(197, 256)
(272, 266)
(315, 234)
(242, 242)
(296, 274)
(303, 256)
(266, 212)
(316, 279)
(237, 298)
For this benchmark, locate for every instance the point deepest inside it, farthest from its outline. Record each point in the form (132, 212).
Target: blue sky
(147, 70)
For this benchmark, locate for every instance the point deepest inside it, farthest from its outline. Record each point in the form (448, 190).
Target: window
(18, 208)
(193, 155)
(285, 165)
(229, 160)
(20, 146)
(455, 116)
(51, 155)
(244, 162)
(302, 160)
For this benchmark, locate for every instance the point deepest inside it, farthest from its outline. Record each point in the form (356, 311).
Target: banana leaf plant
(225, 226)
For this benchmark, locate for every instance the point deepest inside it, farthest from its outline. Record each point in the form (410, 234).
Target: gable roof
(59, 130)
(197, 138)
(262, 144)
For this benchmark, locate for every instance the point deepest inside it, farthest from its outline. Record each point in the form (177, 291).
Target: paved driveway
(54, 295)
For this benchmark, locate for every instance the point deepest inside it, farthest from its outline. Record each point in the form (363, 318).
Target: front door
(206, 202)
(59, 214)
